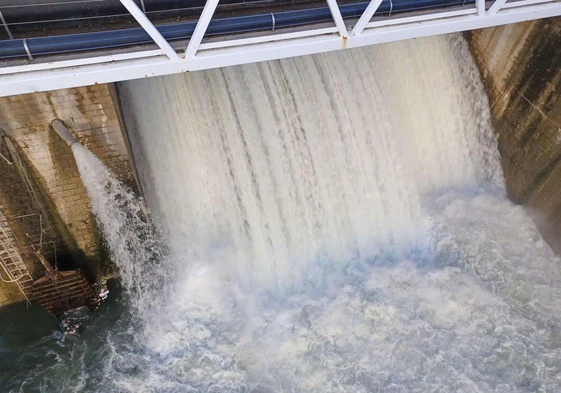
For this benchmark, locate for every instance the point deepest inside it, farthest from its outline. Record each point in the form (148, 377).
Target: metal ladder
(13, 269)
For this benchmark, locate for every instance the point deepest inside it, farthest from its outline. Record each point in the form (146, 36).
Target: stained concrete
(521, 69)
(52, 186)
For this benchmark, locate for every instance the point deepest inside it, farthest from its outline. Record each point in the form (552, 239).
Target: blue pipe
(136, 36)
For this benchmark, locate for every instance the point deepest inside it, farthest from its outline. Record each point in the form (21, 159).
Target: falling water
(132, 239)
(268, 167)
(334, 223)
(338, 223)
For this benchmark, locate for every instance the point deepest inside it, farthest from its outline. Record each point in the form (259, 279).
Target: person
(58, 334)
(70, 328)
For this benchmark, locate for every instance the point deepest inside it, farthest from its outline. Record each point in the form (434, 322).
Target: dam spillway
(333, 223)
(317, 156)
(339, 222)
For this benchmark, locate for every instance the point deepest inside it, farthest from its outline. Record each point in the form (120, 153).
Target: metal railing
(11, 262)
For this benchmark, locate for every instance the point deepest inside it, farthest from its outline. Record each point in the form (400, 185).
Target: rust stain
(344, 42)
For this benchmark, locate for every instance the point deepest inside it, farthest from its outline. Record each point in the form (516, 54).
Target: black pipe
(178, 31)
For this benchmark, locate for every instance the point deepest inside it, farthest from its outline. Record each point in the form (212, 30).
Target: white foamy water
(130, 236)
(335, 223)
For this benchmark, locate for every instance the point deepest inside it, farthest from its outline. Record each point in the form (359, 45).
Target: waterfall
(333, 223)
(268, 167)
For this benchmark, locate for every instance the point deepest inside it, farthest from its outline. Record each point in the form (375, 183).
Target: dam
(377, 219)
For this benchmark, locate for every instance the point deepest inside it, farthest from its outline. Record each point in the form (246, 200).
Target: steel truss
(227, 51)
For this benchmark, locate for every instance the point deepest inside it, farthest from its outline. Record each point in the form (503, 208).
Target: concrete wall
(91, 114)
(521, 69)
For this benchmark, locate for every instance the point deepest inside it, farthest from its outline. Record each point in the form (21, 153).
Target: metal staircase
(57, 291)
(69, 290)
(13, 269)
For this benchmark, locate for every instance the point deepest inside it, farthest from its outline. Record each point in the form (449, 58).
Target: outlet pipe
(31, 47)
(63, 132)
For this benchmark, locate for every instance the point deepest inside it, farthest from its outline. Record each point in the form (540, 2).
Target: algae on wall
(521, 69)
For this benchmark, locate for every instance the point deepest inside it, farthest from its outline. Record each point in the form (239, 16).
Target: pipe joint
(63, 132)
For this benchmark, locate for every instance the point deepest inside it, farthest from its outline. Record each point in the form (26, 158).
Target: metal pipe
(184, 30)
(63, 132)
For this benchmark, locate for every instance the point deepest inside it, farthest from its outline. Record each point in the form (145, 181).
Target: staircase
(12, 267)
(69, 291)
(57, 291)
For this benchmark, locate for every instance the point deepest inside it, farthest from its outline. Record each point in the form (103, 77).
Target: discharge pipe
(63, 132)
(63, 44)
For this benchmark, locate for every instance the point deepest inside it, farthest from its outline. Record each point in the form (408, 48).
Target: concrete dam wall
(521, 69)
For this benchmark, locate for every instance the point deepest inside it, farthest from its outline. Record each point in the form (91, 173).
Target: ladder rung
(16, 266)
(15, 263)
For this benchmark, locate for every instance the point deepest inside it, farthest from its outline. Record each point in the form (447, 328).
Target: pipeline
(31, 47)
(22, 13)
(63, 132)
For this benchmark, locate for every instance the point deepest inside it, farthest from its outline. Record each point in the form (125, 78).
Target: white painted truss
(41, 75)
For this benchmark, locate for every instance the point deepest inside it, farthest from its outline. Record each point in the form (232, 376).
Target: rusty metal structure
(56, 291)
(13, 269)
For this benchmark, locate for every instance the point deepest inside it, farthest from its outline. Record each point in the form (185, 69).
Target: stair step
(16, 266)
(57, 291)
(22, 269)
(19, 265)
(67, 292)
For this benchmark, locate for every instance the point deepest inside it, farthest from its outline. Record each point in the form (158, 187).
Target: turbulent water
(333, 223)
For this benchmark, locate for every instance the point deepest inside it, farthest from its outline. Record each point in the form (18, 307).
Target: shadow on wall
(521, 69)
(47, 182)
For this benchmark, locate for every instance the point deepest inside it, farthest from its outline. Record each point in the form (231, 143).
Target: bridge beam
(366, 16)
(150, 28)
(82, 71)
(200, 29)
(497, 5)
(480, 4)
(337, 18)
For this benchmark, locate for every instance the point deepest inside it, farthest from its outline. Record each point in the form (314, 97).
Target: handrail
(11, 279)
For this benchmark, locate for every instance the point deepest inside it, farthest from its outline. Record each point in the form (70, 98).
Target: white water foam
(133, 241)
(336, 223)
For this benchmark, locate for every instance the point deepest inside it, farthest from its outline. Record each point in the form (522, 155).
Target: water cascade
(338, 223)
(333, 223)
(132, 239)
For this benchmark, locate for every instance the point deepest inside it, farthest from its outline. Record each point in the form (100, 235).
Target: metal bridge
(173, 36)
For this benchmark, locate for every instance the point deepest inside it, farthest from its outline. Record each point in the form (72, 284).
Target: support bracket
(497, 5)
(150, 28)
(337, 18)
(200, 29)
(366, 16)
